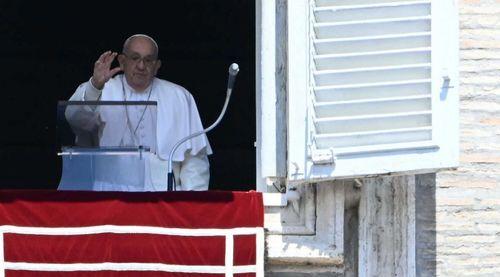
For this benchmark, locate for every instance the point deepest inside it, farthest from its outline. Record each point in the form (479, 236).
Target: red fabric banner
(67, 233)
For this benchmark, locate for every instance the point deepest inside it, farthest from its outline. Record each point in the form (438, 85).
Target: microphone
(233, 71)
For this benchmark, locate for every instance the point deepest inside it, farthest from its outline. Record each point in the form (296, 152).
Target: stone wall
(467, 218)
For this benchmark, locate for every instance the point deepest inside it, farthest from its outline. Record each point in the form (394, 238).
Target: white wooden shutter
(378, 95)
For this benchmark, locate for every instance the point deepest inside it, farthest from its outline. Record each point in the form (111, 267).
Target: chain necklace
(129, 123)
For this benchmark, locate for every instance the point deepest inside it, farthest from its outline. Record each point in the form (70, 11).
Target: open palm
(102, 69)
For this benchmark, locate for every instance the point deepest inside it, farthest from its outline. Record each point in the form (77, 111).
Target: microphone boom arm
(170, 175)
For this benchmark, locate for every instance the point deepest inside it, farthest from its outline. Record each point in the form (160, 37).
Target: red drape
(167, 210)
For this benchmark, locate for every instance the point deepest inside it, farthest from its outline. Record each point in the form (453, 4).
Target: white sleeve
(195, 172)
(91, 93)
(86, 92)
(83, 119)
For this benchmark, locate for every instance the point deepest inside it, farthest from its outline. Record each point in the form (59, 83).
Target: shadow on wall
(425, 191)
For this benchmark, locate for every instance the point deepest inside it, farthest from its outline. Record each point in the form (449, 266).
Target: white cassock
(176, 117)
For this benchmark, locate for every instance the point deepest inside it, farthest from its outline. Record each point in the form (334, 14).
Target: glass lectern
(107, 145)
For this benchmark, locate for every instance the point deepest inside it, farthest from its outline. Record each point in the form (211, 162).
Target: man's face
(139, 63)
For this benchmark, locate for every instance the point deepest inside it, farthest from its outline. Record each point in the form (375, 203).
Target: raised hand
(102, 69)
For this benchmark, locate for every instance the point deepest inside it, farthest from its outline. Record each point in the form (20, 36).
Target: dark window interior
(48, 48)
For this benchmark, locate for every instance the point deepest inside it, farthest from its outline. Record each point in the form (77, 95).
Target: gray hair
(127, 42)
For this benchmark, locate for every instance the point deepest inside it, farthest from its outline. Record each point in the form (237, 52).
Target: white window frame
(270, 109)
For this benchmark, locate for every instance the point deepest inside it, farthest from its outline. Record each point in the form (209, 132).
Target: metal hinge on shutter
(323, 156)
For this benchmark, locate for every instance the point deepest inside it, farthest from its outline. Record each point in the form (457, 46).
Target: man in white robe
(176, 117)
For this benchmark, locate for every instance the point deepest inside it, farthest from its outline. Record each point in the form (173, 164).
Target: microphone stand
(233, 70)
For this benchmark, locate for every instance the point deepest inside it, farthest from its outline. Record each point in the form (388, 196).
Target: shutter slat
(388, 101)
(383, 58)
(373, 91)
(374, 53)
(367, 149)
(345, 3)
(373, 138)
(363, 123)
(367, 22)
(370, 4)
(378, 106)
(372, 28)
(377, 68)
(372, 75)
(372, 43)
(371, 12)
(377, 132)
(374, 84)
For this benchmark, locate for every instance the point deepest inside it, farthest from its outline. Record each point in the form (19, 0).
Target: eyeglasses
(148, 60)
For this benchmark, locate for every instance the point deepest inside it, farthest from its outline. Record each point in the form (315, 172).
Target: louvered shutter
(380, 95)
